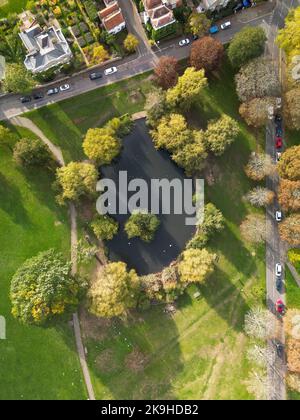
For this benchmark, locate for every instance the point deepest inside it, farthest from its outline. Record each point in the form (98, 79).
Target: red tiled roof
(109, 10)
(113, 20)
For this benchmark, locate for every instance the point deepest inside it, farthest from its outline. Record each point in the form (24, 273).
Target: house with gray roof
(46, 48)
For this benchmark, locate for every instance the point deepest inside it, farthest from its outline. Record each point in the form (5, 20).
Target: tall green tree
(187, 89)
(43, 288)
(18, 79)
(104, 227)
(114, 292)
(32, 152)
(142, 225)
(221, 133)
(198, 24)
(6, 137)
(245, 45)
(101, 145)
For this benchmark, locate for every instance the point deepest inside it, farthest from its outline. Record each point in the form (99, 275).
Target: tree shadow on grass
(11, 202)
(138, 359)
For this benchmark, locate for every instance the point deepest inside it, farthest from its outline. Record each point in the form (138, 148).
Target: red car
(279, 143)
(280, 308)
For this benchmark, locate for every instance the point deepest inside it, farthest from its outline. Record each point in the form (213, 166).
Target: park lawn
(65, 123)
(292, 291)
(11, 6)
(199, 353)
(36, 363)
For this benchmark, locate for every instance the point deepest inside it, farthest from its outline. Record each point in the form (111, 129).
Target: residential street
(144, 60)
(275, 252)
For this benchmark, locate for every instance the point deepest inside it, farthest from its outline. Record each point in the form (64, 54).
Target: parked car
(278, 119)
(111, 70)
(25, 99)
(279, 131)
(278, 270)
(278, 103)
(53, 91)
(246, 3)
(95, 76)
(214, 29)
(238, 7)
(280, 307)
(278, 216)
(279, 285)
(38, 95)
(279, 349)
(279, 142)
(184, 42)
(226, 25)
(278, 156)
(270, 112)
(65, 87)
(195, 37)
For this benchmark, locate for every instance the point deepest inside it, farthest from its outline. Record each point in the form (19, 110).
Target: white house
(46, 48)
(112, 17)
(159, 12)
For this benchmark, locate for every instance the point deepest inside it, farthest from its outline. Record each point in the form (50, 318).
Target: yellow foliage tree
(196, 265)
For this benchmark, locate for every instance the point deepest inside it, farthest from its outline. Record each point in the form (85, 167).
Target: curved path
(57, 153)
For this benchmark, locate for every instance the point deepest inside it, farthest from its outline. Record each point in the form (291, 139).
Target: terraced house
(160, 12)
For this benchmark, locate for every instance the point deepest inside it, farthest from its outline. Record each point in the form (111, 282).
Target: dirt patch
(106, 361)
(212, 173)
(87, 211)
(94, 327)
(78, 121)
(136, 361)
(135, 97)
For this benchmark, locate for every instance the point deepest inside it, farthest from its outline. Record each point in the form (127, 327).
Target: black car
(38, 95)
(25, 99)
(279, 349)
(278, 118)
(279, 285)
(95, 76)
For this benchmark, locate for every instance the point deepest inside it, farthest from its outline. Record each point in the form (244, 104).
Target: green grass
(293, 395)
(292, 291)
(65, 123)
(36, 363)
(11, 6)
(200, 352)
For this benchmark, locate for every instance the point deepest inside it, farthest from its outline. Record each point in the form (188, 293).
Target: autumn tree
(155, 106)
(221, 133)
(257, 79)
(198, 24)
(187, 89)
(259, 166)
(289, 195)
(196, 265)
(254, 228)
(246, 45)
(18, 79)
(32, 152)
(166, 72)
(104, 227)
(131, 43)
(207, 53)
(259, 385)
(6, 137)
(289, 165)
(142, 225)
(255, 112)
(114, 291)
(260, 197)
(261, 355)
(289, 230)
(192, 156)
(292, 108)
(101, 145)
(43, 288)
(100, 54)
(289, 37)
(75, 181)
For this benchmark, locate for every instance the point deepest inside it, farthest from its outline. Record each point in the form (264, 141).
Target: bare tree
(254, 228)
(258, 384)
(259, 323)
(263, 356)
(260, 197)
(259, 166)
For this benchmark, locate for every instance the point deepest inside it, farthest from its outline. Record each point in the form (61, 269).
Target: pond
(141, 160)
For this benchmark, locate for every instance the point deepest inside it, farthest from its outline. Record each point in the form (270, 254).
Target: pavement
(144, 60)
